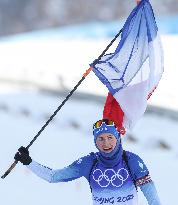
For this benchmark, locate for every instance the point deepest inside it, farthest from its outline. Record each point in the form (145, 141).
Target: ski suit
(109, 185)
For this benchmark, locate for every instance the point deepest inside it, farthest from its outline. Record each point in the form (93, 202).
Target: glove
(23, 156)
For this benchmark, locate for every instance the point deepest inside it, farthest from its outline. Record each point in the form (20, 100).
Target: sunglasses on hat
(99, 123)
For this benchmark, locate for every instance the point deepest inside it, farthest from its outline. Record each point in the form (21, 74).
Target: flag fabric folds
(134, 70)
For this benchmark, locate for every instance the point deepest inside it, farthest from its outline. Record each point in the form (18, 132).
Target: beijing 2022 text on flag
(134, 70)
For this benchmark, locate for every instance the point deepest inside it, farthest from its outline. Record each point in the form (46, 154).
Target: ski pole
(62, 104)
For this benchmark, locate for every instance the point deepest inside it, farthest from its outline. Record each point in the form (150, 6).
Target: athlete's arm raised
(76, 170)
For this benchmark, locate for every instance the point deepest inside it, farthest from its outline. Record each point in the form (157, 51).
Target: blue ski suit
(109, 184)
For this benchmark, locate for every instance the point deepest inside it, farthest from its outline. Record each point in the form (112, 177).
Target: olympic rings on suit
(110, 177)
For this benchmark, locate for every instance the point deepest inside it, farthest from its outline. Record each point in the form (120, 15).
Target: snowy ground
(68, 137)
(57, 64)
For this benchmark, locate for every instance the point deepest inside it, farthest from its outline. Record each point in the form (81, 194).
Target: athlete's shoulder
(137, 165)
(133, 156)
(85, 163)
(93, 155)
(87, 158)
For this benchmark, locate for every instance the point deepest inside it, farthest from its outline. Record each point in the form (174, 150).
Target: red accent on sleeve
(143, 180)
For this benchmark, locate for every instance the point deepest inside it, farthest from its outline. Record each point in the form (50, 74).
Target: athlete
(113, 173)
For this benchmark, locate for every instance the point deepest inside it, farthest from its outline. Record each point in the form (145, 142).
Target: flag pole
(62, 104)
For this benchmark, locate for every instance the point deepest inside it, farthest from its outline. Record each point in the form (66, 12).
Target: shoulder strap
(125, 158)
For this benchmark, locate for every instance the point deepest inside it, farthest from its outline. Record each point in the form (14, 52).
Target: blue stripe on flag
(115, 70)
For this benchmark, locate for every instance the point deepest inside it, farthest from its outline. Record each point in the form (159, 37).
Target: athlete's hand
(138, 1)
(23, 156)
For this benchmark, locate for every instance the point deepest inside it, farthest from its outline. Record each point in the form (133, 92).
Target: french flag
(134, 70)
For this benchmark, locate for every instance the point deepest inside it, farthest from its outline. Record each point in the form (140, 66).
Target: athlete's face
(106, 142)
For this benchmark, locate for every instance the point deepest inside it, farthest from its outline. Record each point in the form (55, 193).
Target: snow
(68, 138)
(30, 65)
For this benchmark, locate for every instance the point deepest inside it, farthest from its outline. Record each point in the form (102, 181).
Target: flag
(133, 71)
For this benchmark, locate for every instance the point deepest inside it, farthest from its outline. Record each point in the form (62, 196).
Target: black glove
(23, 156)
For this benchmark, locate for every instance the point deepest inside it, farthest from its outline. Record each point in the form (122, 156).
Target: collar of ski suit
(113, 158)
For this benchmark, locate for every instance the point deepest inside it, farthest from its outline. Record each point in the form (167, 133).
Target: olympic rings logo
(110, 177)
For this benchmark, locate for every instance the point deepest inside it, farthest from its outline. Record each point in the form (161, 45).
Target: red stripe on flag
(113, 111)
